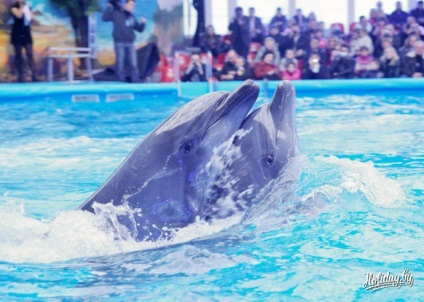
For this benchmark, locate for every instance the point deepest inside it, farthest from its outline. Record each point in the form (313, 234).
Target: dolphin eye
(187, 147)
(270, 159)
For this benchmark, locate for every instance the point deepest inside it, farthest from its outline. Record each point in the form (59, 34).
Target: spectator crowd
(381, 45)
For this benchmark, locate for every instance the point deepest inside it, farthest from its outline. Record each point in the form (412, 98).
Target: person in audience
(412, 27)
(407, 46)
(266, 69)
(288, 58)
(291, 73)
(364, 24)
(269, 46)
(363, 61)
(21, 38)
(319, 34)
(373, 70)
(242, 70)
(299, 18)
(374, 18)
(314, 47)
(240, 32)
(315, 69)
(310, 28)
(390, 63)
(381, 44)
(414, 61)
(398, 17)
(332, 45)
(418, 13)
(279, 20)
(287, 41)
(228, 70)
(196, 70)
(360, 39)
(274, 33)
(380, 10)
(378, 29)
(210, 41)
(343, 66)
(256, 28)
(300, 41)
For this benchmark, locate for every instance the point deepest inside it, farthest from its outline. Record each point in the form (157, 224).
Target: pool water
(357, 208)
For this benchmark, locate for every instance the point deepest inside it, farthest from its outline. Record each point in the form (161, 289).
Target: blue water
(357, 208)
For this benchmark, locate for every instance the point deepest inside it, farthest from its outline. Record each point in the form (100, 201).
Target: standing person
(210, 41)
(124, 25)
(21, 38)
(398, 17)
(279, 20)
(418, 13)
(240, 36)
(256, 27)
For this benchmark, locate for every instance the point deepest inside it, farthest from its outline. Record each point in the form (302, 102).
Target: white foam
(364, 177)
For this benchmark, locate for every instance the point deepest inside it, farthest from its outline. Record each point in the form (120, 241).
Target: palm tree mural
(78, 11)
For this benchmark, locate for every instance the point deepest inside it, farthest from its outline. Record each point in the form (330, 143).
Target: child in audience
(363, 61)
(292, 72)
(288, 58)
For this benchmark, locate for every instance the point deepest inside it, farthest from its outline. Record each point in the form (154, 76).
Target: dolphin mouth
(283, 105)
(237, 103)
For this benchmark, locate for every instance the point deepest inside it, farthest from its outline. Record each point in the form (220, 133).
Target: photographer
(21, 37)
(196, 70)
(124, 25)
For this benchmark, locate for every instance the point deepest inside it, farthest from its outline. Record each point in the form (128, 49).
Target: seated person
(242, 70)
(269, 46)
(291, 72)
(266, 69)
(315, 69)
(414, 61)
(314, 47)
(229, 67)
(390, 63)
(196, 70)
(363, 61)
(373, 70)
(343, 66)
(275, 33)
(288, 58)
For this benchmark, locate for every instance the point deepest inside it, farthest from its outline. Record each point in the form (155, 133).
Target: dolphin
(159, 180)
(262, 148)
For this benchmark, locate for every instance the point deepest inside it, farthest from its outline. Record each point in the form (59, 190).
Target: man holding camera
(124, 25)
(21, 38)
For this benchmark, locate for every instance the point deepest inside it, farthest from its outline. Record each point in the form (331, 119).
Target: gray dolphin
(159, 181)
(266, 142)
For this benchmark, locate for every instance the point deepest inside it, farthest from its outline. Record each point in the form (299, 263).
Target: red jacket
(261, 70)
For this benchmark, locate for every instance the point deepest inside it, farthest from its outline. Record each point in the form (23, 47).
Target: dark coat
(322, 74)
(412, 64)
(240, 37)
(342, 68)
(390, 70)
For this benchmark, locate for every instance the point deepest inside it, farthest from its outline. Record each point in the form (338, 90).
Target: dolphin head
(159, 180)
(267, 140)
(271, 139)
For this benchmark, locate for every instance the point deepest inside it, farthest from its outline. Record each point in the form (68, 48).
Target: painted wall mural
(52, 27)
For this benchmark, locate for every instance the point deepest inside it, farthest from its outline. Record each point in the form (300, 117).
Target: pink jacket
(292, 76)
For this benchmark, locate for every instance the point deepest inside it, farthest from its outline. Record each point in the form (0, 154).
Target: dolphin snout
(282, 106)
